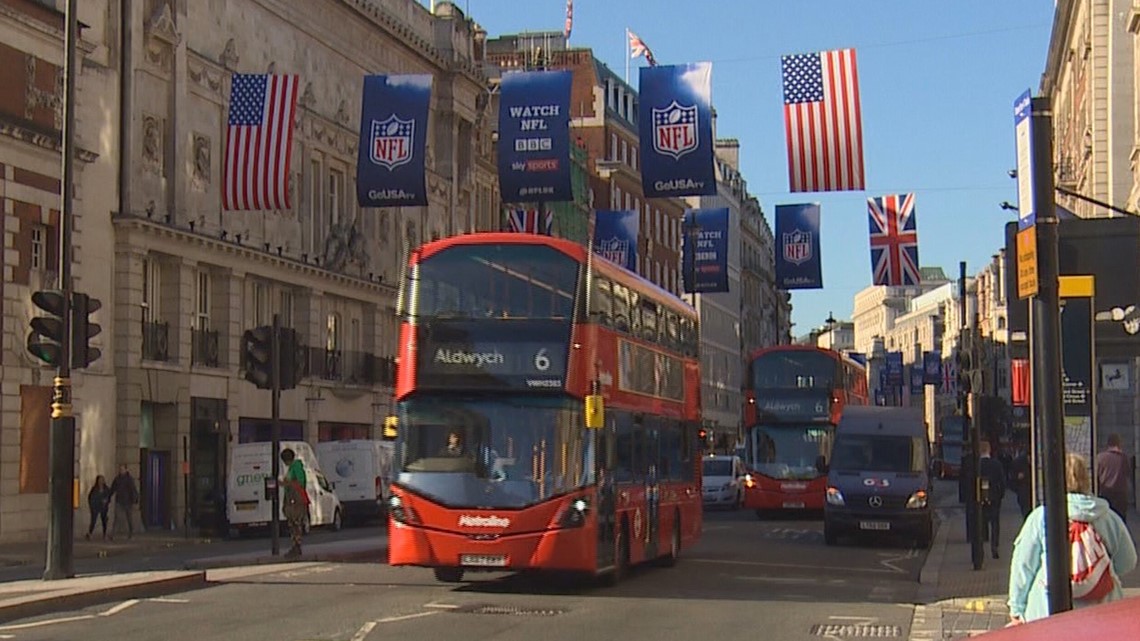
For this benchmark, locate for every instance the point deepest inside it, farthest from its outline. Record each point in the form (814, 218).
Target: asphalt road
(771, 579)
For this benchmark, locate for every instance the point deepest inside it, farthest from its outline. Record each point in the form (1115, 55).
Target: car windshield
(717, 468)
(495, 452)
(878, 453)
(791, 451)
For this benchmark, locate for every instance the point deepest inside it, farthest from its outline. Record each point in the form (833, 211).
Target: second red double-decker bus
(795, 396)
(504, 459)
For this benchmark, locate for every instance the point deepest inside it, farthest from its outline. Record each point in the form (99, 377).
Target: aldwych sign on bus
(481, 354)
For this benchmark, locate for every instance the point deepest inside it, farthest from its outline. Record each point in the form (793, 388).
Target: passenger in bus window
(454, 445)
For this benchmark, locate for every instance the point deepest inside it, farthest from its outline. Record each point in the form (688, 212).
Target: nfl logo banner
(894, 369)
(917, 384)
(676, 131)
(393, 137)
(798, 261)
(615, 237)
(932, 368)
(704, 251)
(534, 136)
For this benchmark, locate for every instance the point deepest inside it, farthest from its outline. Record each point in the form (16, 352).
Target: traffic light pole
(61, 513)
(1047, 362)
(974, 520)
(275, 429)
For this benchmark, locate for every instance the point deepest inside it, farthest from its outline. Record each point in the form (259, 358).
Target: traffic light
(292, 358)
(83, 330)
(257, 356)
(965, 367)
(45, 341)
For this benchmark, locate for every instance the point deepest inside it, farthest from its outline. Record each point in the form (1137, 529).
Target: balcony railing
(156, 343)
(204, 347)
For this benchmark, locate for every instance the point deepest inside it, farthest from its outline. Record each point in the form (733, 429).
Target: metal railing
(156, 341)
(204, 348)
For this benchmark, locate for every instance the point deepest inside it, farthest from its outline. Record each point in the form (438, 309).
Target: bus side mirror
(595, 412)
(390, 429)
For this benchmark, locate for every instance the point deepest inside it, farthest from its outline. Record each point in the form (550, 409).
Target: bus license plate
(874, 525)
(483, 560)
(799, 505)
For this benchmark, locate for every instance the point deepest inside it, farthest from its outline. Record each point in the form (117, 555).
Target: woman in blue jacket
(1028, 596)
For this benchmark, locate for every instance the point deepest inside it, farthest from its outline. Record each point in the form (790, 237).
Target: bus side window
(601, 303)
(634, 313)
(623, 446)
(621, 307)
(671, 330)
(649, 319)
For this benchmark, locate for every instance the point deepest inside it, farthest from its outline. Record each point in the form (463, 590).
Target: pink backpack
(1091, 566)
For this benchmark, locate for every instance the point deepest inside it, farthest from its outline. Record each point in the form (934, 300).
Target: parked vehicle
(248, 505)
(723, 479)
(879, 479)
(360, 471)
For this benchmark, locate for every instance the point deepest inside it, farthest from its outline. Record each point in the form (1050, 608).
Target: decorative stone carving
(410, 234)
(152, 143)
(205, 76)
(201, 162)
(307, 99)
(272, 68)
(37, 98)
(229, 58)
(161, 26)
(344, 246)
(342, 113)
(383, 222)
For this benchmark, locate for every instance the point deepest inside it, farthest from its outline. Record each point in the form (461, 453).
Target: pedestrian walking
(1113, 475)
(992, 476)
(125, 494)
(98, 501)
(1021, 481)
(296, 503)
(1091, 519)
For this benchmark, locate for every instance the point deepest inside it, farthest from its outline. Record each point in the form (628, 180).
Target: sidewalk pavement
(34, 552)
(21, 599)
(956, 601)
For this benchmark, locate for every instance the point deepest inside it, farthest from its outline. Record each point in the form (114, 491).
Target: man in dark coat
(992, 477)
(125, 495)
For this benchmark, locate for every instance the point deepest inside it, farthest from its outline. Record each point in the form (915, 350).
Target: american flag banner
(259, 142)
(894, 240)
(526, 221)
(822, 121)
(569, 18)
(637, 47)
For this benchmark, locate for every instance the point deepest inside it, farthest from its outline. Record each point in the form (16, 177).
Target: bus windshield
(791, 451)
(793, 369)
(494, 281)
(506, 451)
(875, 453)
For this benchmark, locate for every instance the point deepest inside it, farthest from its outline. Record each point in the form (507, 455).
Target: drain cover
(510, 610)
(859, 631)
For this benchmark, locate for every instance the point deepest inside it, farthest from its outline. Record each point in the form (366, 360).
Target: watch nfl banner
(704, 250)
(615, 237)
(676, 131)
(393, 136)
(534, 136)
(798, 264)
(932, 367)
(917, 382)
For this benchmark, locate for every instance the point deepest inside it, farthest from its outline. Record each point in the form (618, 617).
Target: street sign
(1027, 262)
(1023, 129)
(1077, 357)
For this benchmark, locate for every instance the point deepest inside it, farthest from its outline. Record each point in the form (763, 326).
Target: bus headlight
(401, 513)
(917, 500)
(574, 514)
(835, 497)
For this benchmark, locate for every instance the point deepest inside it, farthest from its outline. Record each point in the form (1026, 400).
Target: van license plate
(874, 525)
(483, 560)
(799, 505)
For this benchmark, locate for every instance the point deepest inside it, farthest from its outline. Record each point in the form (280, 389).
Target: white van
(360, 471)
(246, 503)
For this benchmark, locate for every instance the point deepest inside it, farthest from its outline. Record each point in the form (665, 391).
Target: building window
(624, 151)
(633, 157)
(260, 303)
(336, 196)
(39, 248)
(285, 308)
(202, 308)
(150, 289)
(316, 211)
(332, 347)
(613, 146)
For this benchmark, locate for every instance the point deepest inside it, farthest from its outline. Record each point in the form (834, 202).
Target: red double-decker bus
(504, 460)
(795, 396)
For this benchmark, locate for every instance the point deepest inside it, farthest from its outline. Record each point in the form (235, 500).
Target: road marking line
(166, 599)
(442, 606)
(119, 608)
(40, 624)
(793, 565)
(406, 617)
(364, 631)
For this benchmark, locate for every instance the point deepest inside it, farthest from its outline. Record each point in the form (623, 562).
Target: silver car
(723, 480)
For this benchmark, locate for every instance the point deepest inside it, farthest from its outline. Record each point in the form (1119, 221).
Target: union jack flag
(637, 47)
(949, 376)
(894, 240)
(526, 221)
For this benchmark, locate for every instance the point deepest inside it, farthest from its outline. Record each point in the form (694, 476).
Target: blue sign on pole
(676, 131)
(393, 138)
(615, 237)
(534, 136)
(798, 264)
(895, 369)
(932, 367)
(1023, 130)
(704, 250)
(917, 382)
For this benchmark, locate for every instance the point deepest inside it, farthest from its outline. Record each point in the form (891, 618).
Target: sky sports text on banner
(676, 131)
(798, 261)
(822, 121)
(894, 240)
(393, 138)
(704, 251)
(615, 236)
(534, 136)
(259, 142)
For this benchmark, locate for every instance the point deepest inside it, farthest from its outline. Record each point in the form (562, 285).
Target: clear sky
(937, 84)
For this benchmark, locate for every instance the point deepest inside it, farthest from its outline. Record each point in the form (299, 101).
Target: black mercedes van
(879, 478)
